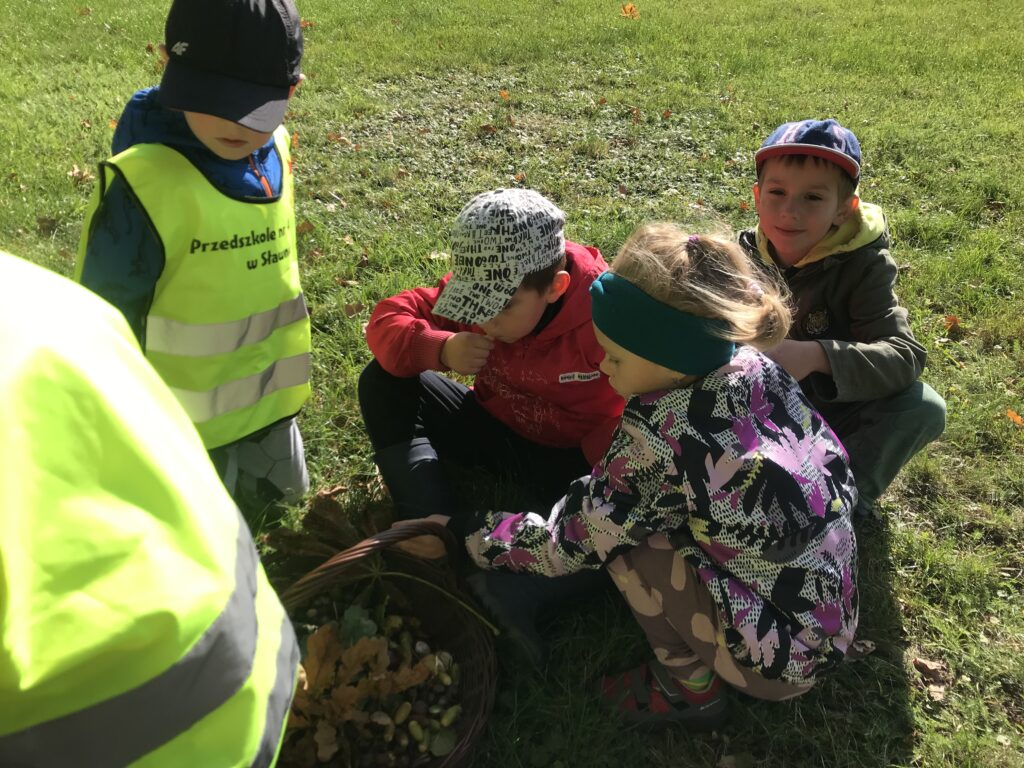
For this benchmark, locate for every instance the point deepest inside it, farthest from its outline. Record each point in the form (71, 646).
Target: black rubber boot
(517, 601)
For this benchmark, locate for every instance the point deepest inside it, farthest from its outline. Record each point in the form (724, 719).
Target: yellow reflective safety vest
(228, 329)
(137, 626)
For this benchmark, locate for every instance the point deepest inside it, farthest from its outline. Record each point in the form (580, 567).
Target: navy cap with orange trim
(234, 59)
(826, 139)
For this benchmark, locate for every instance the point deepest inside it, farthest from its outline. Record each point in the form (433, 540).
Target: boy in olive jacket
(850, 346)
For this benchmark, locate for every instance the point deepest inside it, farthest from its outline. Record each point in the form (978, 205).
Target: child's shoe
(649, 697)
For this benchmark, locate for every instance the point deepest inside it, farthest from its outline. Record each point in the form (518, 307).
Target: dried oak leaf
(323, 652)
(630, 11)
(1015, 417)
(405, 677)
(326, 741)
(504, 95)
(346, 700)
(302, 754)
(371, 652)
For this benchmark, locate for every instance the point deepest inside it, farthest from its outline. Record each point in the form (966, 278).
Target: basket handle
(378, 541)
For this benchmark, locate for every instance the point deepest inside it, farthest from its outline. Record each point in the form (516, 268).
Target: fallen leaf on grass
(295, 140)
(306, 23)
(935, 676)
(79, 175)
(1015, 417)
(87, 124)
(932, 671)
(602, 101)
(337, 138)
(666, 114)
(520, 177)
(46, 225)
(630, 11)
(84, 11)
(744, 206)
(305, 226)
(504, 95)
(952, 325)
(112, 123)
(487, 129)
(351, 310)
(636, 115)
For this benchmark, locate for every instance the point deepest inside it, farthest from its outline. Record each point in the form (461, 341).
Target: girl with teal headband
(721, 509)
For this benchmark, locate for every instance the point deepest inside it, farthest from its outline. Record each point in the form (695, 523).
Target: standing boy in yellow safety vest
(137, 626)
(191, 234)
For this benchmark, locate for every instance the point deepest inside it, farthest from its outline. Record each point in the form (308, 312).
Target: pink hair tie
(755, 288)
(694, 240)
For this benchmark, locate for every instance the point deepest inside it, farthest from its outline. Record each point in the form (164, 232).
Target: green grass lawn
(410, 108)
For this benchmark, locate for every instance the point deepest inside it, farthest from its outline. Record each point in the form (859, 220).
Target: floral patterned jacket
(753, 489)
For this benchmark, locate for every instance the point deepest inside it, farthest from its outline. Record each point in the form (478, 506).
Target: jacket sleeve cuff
(426, 349)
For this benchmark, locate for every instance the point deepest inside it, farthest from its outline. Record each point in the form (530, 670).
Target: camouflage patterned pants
(265, 469)
(681, 621)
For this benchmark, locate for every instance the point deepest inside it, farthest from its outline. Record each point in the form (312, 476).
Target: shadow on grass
(858, 716)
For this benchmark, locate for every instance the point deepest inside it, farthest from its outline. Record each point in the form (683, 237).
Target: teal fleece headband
(657, 332)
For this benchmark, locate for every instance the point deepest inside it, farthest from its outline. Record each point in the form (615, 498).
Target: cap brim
(471, 302)
(258, 107)
(833, 156)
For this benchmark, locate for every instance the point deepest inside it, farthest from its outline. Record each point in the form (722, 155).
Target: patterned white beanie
(498, 238)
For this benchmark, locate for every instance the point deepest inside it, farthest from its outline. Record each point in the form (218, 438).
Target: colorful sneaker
(649, 697)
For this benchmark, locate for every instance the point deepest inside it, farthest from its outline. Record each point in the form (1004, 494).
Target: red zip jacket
(546, 387)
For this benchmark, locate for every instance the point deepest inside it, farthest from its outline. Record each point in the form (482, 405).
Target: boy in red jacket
(515, 313)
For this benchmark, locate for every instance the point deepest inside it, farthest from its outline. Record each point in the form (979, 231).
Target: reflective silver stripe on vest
(174, 337)
(280, 697)
(123, 729)
(240, 393)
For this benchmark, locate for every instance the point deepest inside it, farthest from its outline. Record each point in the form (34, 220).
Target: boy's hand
(800, 358)
(466, 352)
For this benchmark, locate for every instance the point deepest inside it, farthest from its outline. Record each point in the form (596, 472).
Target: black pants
(432, 411)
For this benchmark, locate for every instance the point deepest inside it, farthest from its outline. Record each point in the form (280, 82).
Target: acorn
(403, 711)
(451, 715)
(416, 730)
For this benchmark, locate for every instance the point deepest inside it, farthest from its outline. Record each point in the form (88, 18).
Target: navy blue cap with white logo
(826, 139)
(233, 59)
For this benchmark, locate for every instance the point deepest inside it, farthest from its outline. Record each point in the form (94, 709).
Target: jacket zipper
(262, 179)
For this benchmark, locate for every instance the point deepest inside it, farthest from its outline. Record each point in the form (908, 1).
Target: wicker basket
(446, 614)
